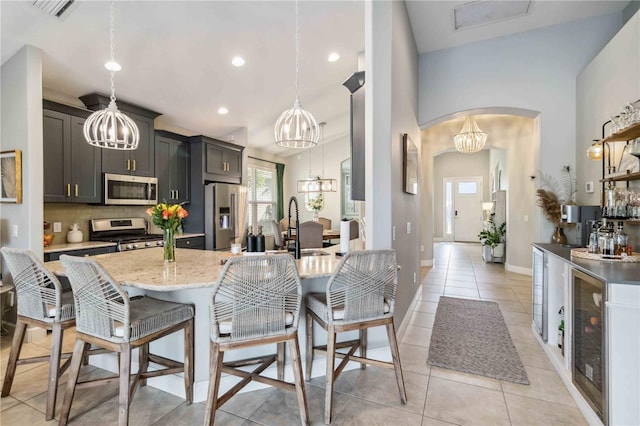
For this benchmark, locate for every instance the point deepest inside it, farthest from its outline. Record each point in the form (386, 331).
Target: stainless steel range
(128, 233)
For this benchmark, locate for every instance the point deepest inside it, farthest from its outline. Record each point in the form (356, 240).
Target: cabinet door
(215, 163)
(57, 154)
(196, 243)
(180, 171)
(86, 176)
(142, 158)
(115, 161)
(163, 150)
(234, 162)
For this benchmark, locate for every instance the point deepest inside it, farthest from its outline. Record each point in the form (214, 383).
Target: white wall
(390, 111)
(534, 72)
(455, 164)
(610, 81)
(21, 112)
(297, 167)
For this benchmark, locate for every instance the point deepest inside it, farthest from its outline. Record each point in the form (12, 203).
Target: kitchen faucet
(294, 200)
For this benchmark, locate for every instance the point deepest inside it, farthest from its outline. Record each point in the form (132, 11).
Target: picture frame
(410, 163)
(11, 176)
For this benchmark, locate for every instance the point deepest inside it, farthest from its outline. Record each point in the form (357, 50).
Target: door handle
(177, 194)
(68, 190)
(456, 213)
(76, 190)
(128, 164)
(134, 165)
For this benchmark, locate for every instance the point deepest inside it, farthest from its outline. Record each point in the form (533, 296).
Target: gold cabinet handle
(188, 243)
(68, 190)
(177, 194)
(128, 164)
(134, 165)
(76, 189)
(173, 197)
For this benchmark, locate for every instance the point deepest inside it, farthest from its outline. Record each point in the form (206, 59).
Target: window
(261, 181)
(467, 187)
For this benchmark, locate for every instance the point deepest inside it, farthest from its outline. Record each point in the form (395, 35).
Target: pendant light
(109, 128)
(296, 127)
(596, 150)
(319, 183)
(470, 139)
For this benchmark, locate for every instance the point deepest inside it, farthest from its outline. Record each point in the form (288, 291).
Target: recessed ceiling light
(333, 57)
(112, 66)
(485, 12)
(222, 110)
(237, 61)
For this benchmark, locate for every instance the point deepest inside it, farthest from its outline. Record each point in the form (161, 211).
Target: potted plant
(493, 237)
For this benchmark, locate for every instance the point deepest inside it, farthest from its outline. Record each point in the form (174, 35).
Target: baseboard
(426, 262)
(518, 269)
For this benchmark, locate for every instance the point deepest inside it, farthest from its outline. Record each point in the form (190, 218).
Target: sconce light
(596, 150)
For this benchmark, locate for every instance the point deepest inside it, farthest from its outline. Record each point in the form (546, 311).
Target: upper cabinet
(140, 161)
(71, 165)
(172, 167)
(219, 161)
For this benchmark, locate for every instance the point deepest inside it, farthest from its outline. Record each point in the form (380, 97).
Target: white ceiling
(176, 55)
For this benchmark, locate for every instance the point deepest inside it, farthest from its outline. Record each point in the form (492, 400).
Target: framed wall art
(11, 173)
(410, 165)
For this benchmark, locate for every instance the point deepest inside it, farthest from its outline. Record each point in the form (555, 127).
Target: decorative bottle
(251, 241)
(74, 235)
(621, 240)
(260, 241)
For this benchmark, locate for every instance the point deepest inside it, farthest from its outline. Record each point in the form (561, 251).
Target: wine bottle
(251, 241)
(260, 241)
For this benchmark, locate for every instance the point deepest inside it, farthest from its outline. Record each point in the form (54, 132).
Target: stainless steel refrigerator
(220, 220)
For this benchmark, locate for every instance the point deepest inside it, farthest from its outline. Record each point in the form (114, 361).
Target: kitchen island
(190, 280)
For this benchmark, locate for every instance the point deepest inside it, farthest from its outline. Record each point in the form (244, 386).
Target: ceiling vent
(486, 12)
(53, 7)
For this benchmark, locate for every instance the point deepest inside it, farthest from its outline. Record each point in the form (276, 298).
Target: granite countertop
(145, 269)
(95, 244)
(611, 272)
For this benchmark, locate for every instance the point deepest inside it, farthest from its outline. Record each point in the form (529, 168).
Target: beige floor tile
(360, 412)
(470, 379)
(543, 384)
(245, 404)
(432, 288)
(522, 334)
(187, 415)
(530, 412)
(414, 359)
(28, 350)
(418, 336)
(506, 294)
(422, 319)
(517, 318)
(8, 402)
(430, 297)
(281, 408)
(461, 292)
(532, 355)
(30, 383)
(465, 404)
(471, 283)
(508, 306)
(22, 414)
(426, 306)
(528, 307)
(430, 421)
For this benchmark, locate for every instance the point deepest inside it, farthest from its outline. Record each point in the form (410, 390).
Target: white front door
(463, 208)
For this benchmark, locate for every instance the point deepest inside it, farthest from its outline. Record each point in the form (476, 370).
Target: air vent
(480, 13)
(53, 7)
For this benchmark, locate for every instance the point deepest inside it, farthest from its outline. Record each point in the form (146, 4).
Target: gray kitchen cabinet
(140, 161)
(72, 172)
(172, 167)
(196, 243)
(220, 161)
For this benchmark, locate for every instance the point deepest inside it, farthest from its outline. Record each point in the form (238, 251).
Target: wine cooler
(589, 351)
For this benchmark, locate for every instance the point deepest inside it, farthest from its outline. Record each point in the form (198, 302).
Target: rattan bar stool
(256, 301)
(360, 294)
(41, 303)
(108, 318)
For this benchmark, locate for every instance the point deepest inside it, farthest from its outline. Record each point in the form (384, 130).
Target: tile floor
(363, 397)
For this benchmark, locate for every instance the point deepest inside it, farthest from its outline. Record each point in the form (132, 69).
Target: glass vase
(558, 236)
(316, 214)
(169, 246)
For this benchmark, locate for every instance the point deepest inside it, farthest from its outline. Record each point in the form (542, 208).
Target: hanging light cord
(322, 144)
(297, 57)
(112, 41)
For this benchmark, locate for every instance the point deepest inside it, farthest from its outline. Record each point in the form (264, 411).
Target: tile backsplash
(69, 214)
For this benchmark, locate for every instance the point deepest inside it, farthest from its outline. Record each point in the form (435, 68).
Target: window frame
(252, 203)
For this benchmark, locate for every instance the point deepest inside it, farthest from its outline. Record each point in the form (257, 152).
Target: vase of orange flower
(169, 218)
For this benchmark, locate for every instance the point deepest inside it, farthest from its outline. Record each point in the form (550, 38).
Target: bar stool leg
(215, 370)
(16, 347)
(280, 359)
(309, 350)
(189, 344)
(393, 344)
(54, 369)
(331, 352)
(76, 362)
(296, 363)
(143, 362)
(363, 346)
(124, 398)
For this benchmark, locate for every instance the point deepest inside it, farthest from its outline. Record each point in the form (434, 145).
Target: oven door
(130, 190)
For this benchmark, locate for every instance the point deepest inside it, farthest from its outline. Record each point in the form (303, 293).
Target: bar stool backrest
(363, 286)
(39, 291)
(102, 305)
(255, 296)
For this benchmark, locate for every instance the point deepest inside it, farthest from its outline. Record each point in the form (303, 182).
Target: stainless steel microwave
(128, 190)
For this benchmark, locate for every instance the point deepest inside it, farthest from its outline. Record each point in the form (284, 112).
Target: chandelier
(296, 127)
(318, 183)
(470, 139)
(109, 128)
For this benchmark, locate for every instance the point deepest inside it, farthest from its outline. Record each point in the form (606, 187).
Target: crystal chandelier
(109, 128)
(318, 183)
(470, 139)
(296, 127)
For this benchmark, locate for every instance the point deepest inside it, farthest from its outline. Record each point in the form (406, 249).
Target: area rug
(471, 336)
